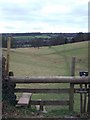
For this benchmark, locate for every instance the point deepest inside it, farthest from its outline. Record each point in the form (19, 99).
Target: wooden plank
(50, 102)
(24, 100)
(54, 79)
(43, 90)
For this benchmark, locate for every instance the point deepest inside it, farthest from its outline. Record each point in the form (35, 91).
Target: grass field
(54, 61)
(30, 37)
(48, 61)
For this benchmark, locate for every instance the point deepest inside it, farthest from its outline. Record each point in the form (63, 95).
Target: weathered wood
(8, 54)
(40, 107)
(43, 90)
(81, 100)
(55, 79)
(88, 109)
(50, 102)
(71, 94)
(85, 98)
(24, 100)
(71, 97)
(3, 67)
(73, 66)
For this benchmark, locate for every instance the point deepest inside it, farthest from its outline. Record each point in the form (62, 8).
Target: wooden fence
(56, 79)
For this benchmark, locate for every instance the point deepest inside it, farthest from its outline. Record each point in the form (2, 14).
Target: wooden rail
(55, 79)
(44, 90)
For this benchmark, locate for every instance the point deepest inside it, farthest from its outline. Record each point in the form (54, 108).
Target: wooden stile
(24, 100)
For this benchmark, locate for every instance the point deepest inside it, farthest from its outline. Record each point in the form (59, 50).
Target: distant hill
(43, 39)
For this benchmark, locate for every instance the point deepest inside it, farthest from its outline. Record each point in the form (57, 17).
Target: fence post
(71, 94)
(73, 66)
(88, 100)
(8, 54)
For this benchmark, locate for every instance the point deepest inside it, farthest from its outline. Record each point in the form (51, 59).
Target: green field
(30, 37)
(53, 61)
(48, 61)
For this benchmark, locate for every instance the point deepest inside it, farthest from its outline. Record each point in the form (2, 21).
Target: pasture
(30, 37)
(48, 61)
(53, 61)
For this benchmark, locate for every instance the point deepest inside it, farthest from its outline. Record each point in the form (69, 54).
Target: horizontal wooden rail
(50, 102)
(55, 79)
(44, 90)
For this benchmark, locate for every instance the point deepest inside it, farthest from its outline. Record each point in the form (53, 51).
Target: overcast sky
(44, 16)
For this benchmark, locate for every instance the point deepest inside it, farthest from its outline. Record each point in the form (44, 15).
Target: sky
(43, 16)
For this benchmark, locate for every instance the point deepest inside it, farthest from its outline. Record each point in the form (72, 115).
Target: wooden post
(71, 95)
(8, 54)
(81, 100)
(41, 105)
(85, 98)
(88, 100)
(73, 66)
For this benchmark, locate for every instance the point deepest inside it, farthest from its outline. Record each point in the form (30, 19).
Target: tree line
(52, 40)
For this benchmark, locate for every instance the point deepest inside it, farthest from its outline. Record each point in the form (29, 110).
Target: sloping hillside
(48, 61)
